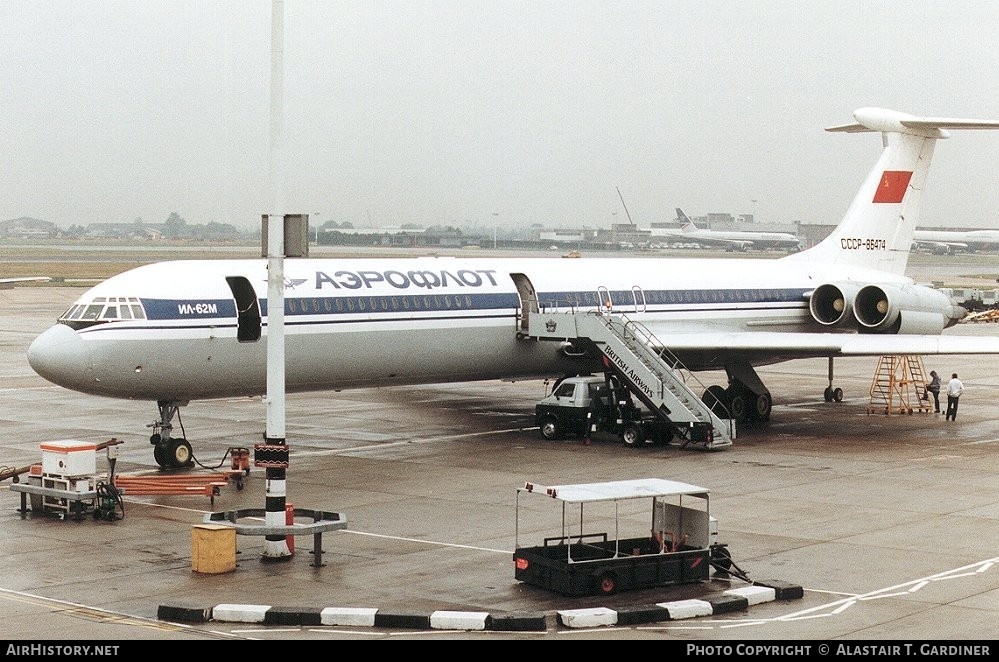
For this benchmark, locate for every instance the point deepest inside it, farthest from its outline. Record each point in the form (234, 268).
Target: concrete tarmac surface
(889, 523)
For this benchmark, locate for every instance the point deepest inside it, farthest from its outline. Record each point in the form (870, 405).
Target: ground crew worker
(954, 390)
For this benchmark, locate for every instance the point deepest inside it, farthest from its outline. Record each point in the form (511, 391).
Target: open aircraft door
(528, 300)
(248, 322)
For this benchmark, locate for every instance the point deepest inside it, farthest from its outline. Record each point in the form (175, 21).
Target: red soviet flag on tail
(892, 186)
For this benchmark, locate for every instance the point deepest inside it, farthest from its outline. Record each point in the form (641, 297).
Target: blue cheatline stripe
(182, 309)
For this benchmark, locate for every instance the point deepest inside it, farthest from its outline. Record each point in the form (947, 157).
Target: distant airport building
(401, 236)
(811, 234)
(28, 228)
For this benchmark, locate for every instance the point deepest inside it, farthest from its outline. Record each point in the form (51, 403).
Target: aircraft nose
(58, 356)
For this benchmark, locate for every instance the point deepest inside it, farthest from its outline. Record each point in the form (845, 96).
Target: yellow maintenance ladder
(899, 386)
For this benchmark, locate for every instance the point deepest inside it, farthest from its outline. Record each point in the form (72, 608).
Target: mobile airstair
(899, 386)
(645, 364)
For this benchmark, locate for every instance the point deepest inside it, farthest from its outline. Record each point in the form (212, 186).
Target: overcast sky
(470, 111)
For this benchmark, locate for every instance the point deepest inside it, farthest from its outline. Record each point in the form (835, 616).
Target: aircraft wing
(766, 344)
(7, 283)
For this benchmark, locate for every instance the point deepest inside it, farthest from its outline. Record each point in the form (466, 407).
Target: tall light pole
(273, 453)
(495, 222)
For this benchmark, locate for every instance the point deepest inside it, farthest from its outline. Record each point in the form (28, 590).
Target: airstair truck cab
(577, 404)
(610, 541)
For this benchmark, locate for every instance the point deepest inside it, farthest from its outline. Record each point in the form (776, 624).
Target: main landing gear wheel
(831, 394)
(764, 405)
(738, 404)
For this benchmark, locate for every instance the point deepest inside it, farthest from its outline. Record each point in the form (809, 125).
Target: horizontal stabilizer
(880, 119)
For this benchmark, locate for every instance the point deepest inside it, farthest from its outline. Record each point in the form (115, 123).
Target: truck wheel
(549, 428)
(607, 583)
(663, 434)
(632, 435)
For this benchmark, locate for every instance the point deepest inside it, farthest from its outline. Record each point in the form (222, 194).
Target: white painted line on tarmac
(898, 590)
(409, 442)
(351, 531)
(428, 542)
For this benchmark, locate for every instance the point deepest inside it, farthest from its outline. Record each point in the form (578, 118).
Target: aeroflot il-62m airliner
(177, 331)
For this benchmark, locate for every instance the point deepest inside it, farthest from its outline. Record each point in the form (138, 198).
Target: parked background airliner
(177, 331)
(944, 242)
(733, 240)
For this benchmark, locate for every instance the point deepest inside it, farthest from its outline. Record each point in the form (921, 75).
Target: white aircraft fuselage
(370, 322)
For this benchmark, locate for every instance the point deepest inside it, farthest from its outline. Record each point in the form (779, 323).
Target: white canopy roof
(616, 490)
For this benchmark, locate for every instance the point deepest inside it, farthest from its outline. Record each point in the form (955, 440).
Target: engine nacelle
(831, 303)
(904, 309)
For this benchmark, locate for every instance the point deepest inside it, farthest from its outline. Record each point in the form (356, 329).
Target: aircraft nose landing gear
(172, 453)
(169, 452)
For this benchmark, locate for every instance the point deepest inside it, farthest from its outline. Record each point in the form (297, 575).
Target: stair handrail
(647, 341)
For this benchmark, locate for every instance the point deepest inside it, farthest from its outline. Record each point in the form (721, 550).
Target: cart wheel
(721, 559)
(607, 582)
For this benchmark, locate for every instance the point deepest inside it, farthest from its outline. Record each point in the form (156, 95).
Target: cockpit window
(92, 311)
(101, 310)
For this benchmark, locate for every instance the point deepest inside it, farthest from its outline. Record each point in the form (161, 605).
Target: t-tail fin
(877, 230)
(685, 223)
